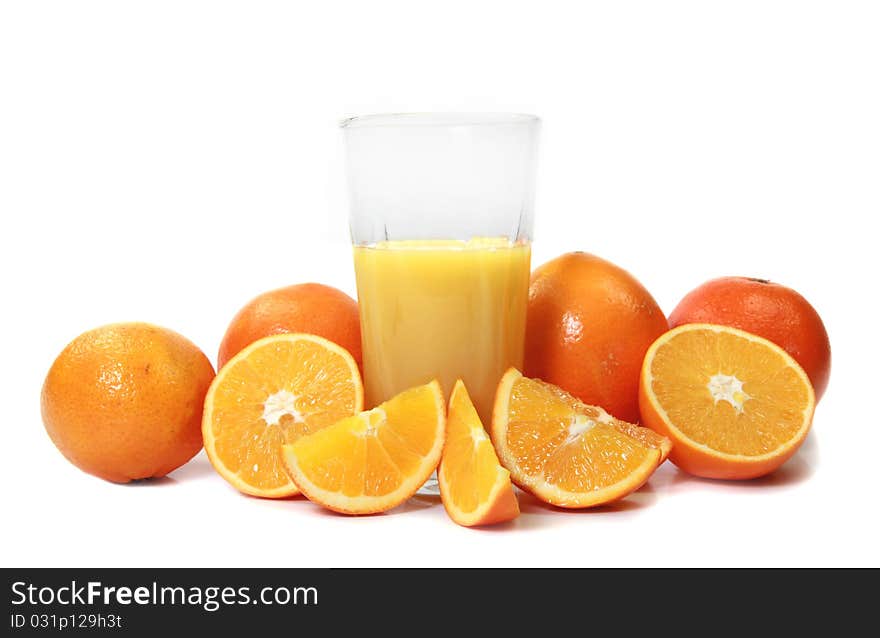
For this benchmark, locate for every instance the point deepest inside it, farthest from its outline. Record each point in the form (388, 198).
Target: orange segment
(374, 460)
(475, 489)
(566, 452)
(271, 393)
(736, 405)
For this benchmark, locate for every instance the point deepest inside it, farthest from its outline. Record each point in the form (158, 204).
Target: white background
(166, 161)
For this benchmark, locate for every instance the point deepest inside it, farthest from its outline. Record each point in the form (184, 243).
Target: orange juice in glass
(441, 308)
(441, 219)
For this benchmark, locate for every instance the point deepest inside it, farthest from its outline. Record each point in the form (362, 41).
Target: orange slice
(475, 489)
(271, 393)
(375, 460)
(565, 452)
(736, 405)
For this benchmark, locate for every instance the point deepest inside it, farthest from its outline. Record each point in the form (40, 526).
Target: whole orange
(589, 325)
(768, 310)
(311, 308)
(124, 401)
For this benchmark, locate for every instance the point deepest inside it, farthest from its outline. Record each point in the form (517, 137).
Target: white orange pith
(566, 452)
(375, 460)
(271, 393)
(736, 405)
(474, 487)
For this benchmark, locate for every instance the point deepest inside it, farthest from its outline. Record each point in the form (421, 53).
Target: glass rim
(439, 118)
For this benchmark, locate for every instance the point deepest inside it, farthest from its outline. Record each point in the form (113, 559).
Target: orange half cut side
(737, 406)
(271, 393)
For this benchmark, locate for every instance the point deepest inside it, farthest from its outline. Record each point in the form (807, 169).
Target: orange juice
(441, 309)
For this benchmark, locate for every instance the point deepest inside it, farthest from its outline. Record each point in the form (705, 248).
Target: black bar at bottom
(420, 601)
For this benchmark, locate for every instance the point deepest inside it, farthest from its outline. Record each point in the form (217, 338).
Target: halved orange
(565, 452)
(375, 460)
(736, 405)
(475, 489)
(273, 392)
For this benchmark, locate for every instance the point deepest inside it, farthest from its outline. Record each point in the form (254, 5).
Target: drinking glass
(441, 216)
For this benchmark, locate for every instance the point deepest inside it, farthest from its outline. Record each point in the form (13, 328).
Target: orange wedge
(736, 405)
(475, 489)
(271, 393)
(565, 452)
(375, 460)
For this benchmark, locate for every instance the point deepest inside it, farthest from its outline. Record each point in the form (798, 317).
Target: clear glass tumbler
(441, 221)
